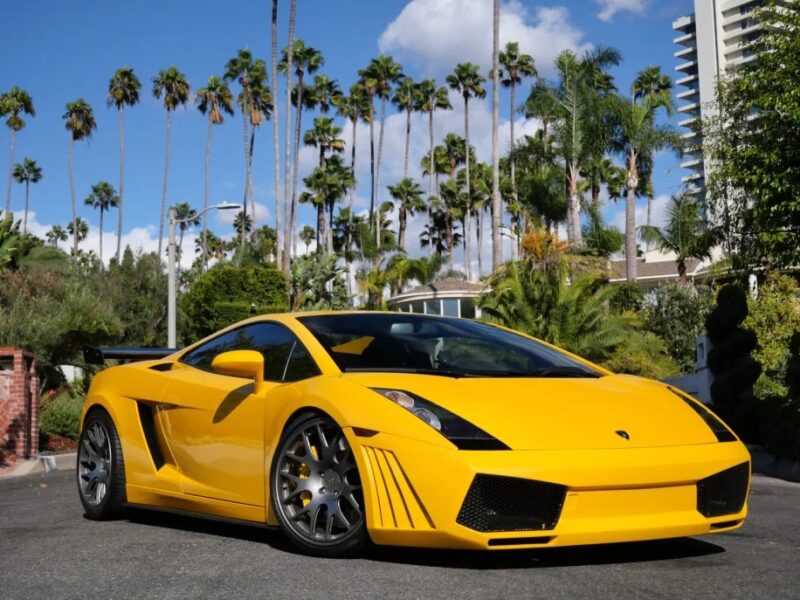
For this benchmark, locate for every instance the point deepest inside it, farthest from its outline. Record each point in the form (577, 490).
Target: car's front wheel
(316, 490)
(101, 469)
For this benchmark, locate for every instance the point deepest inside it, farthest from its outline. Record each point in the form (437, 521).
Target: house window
(433, 307)
(450, 307)
(467, 308)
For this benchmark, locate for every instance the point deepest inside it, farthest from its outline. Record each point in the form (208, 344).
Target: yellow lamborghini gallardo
(406, 430)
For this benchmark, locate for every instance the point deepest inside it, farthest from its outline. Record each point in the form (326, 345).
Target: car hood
(616, 411)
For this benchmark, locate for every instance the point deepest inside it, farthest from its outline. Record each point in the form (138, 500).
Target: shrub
(60, 416)
(628, 297)
(644, 354)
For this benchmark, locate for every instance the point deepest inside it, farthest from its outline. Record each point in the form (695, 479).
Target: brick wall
(19, 405)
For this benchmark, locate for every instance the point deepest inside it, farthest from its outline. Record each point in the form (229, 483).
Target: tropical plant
(186, 217)
(326, 185)
(431, 99)
(318, 283)
(172, 87)
(214, 99)
(78, 229)
(80, 122)
(276, 138)
(307, 235)
(242, 224)
(407, 195)
(406, 98)
(56, 234)
(103, 198)
(27, 172)
(497, 205)
(13, 104)
(123, 90)
(9, 240)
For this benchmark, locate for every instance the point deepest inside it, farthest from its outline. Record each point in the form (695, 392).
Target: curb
(44, 463)
(764, 463)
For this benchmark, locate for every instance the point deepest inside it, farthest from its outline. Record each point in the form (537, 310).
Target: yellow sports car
(405, 430)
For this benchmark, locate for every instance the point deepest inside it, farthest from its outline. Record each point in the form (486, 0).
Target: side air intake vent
(723, 493)
(496, 503)
(147, 418)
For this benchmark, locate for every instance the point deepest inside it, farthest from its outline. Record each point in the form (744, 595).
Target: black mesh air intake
(496, 503)
(723, 493)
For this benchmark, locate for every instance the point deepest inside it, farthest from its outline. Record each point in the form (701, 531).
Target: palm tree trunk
(349, 244)
(479, 228)
(164, 188)
(70, 154)
(10, 169)
(329, 234)
(402, 217)
(372, 159)
(468, 245)
(25, 214)
(450, 240)
(649, 216)
(378, 177)
(408, 140)
(320, 226)
(121, 203)
(250, 176)
(296, 159)
(101, 236)
(288, 243)
(630, 219)
(430, 174)
(245, 140)
(204, 258)
(575, 205)
(512, 95)
(497, 248)
(276, 141)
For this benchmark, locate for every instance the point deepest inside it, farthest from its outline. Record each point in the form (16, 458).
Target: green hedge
(60, 416)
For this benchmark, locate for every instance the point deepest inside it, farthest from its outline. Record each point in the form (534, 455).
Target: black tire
(101, 467)
(321, 484)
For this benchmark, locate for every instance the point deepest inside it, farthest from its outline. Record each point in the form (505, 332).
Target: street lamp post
(172, 333)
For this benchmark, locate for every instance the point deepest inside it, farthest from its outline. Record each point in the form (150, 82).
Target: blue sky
(60, 51)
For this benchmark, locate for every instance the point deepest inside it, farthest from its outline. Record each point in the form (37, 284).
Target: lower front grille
(723, 493)
(495, 503)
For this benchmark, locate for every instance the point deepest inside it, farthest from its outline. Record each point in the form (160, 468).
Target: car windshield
(404, 343)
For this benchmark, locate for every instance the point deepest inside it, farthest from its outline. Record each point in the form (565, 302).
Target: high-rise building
(719, 34)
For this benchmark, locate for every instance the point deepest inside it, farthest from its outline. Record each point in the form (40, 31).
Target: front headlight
(463, 434)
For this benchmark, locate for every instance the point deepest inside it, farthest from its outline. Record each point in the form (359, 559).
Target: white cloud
(438, 34)
(609, 8)
(658, 212)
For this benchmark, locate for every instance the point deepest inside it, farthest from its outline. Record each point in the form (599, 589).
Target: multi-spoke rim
(318, 487)
(94, 464)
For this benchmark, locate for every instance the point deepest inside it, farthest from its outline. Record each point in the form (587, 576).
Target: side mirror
(241, 363)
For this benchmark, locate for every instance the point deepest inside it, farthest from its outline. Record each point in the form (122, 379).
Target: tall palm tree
(407, 98)
(381, 73)
(242, 223)
(56, 234)
(307, 60)
(515, 66)
(103, 198)
(172, 87)
(123, 90)
(325, 136)
(639, 136)
(307, 235)
(79, 230)
(80, 123)
(276, 140)
(326, 186)
(214, 99)
(497, 204)
(686, 233)
(289, 207)
(407, 195)
(652, 82)
(13, 104)
(186, 217)
(324, 92)
(27, 172)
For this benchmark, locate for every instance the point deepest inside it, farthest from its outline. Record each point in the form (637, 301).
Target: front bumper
(414, 492)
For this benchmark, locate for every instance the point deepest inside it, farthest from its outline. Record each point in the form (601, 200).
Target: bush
(628, 297)
(60, 416)
(644, 354)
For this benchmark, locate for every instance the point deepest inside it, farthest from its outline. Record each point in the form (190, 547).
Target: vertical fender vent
(495, 503)
(148, 420)
(723, 493)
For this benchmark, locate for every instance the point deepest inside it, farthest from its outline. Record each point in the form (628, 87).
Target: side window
(274, 341)
(301, 365)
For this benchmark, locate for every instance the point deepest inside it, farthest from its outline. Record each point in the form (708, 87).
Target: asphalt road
(49, 550)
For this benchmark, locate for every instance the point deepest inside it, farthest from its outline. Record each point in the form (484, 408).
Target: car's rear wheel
(316, 490)
(101, 469)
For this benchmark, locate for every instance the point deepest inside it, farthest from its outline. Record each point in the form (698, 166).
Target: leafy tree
(80, 232)
(13, 104)
(27, 172)
(186, 217)
(431, 99)
(226, 294)
(123, 90)
(56, 234)
(172, 87)
(318, 283)
(103, 198)
(407, 194)
(307, 235)
(80, 123)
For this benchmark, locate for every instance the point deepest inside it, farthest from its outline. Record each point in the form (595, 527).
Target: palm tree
(173, 86)
(432, 98)
(79, 230)
(56, 234)
(123, 90)
(80, 123)
(497, 204)
(27, 172)
(326, 185)
(213, 99)
(407, 195)
(306, 60)
(686, 233)
(276, 140)
(515, 66)
(242, 223)
(13, 104)
(638, 136)
(103, 197)
(407, 98)
(379, 76)
(324, 92)
(210, 243)
(453, 209)
(325, 136)
(289, 206)
(186, 217)
(307, 235)
(652, 82)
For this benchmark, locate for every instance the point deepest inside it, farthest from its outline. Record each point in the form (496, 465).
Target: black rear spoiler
(94, 355)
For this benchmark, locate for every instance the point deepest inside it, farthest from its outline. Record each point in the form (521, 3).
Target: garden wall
(19, 405)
